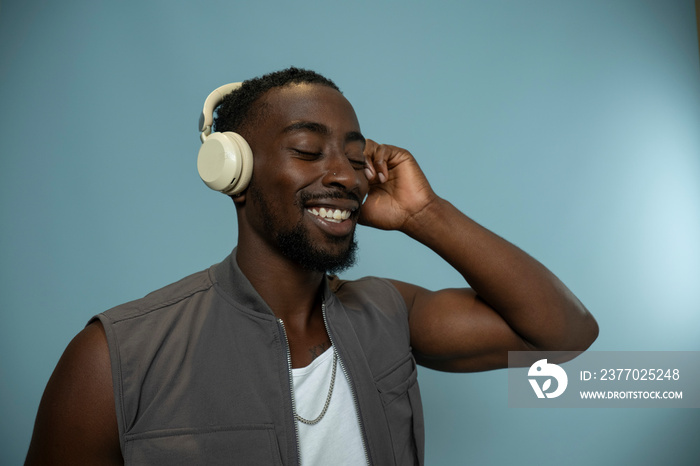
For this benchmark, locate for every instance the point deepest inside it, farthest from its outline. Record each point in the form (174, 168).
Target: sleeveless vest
(201, 375)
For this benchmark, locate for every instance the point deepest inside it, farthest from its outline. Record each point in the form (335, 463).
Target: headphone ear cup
(225, 162)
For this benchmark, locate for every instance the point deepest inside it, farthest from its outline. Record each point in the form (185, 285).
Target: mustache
(329, 194)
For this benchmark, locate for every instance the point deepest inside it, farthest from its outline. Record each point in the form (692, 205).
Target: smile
(330, 215)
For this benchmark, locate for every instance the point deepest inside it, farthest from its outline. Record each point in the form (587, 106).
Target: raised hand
(398, 188)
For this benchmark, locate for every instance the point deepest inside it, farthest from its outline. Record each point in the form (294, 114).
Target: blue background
(571, 128)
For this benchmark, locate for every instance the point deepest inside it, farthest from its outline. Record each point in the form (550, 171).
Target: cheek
(270, 177)
(282, 171)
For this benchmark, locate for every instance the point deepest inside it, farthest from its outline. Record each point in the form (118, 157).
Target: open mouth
(330, 215)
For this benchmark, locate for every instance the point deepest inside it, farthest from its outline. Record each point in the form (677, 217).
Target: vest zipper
(291, 390)
(363, 434)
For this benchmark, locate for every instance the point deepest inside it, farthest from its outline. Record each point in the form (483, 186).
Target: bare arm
(515, 303)
(76, 422)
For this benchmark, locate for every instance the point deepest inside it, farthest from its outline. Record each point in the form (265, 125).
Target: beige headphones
(225, 161)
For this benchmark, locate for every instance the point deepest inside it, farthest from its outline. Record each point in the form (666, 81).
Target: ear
(239, 199)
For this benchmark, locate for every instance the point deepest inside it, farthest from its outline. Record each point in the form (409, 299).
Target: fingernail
(382, 178)
(368, 173)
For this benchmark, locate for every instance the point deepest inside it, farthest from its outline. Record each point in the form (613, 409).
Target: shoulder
(166, 296)
(368, 291)
(76, 422)
(139, 330)
(373, 305)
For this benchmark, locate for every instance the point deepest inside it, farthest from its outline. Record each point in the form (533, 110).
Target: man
(264, 359)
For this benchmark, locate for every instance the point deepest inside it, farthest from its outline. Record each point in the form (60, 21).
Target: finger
(377, 156)
(370, 147)
(381, 156)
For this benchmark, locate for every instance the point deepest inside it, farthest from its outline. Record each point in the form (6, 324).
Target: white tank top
(336, 439)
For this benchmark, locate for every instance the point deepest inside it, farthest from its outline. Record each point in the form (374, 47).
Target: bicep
(76, 422)
(454, 330)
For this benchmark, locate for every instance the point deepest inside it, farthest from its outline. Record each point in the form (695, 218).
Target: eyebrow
(321, 129)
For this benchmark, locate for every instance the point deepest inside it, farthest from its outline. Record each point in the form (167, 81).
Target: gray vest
(200, 372)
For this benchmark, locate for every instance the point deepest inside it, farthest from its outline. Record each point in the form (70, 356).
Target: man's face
(308, 176)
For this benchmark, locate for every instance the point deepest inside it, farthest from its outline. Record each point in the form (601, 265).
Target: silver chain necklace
(328, 398)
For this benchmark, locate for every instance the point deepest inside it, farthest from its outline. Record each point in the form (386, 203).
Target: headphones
(225, 160)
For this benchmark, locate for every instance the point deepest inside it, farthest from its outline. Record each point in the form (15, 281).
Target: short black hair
(237, 110)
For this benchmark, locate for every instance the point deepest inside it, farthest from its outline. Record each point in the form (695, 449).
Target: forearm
(531, 300)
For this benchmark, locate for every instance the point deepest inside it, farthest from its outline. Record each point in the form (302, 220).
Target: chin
(333, 259)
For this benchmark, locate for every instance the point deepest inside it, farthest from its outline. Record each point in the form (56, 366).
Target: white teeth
(334, 215)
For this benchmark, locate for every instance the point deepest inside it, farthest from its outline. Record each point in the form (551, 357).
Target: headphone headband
(206, 119)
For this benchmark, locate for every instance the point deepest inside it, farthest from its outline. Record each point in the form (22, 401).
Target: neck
(291, 292)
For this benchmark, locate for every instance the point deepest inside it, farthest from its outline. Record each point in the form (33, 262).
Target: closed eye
(307, 154)
(357, 164)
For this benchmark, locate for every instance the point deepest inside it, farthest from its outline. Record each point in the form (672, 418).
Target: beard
(296, 245)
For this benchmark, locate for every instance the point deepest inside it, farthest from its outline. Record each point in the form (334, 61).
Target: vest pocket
(254, 444)
(398, 390)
